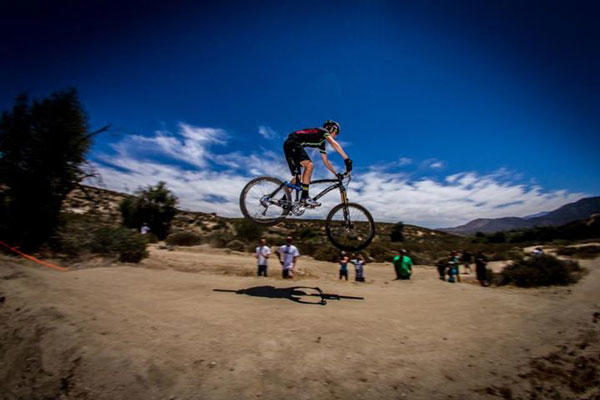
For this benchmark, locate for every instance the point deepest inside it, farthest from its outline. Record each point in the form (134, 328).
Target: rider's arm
(336, 147)
(327, 163)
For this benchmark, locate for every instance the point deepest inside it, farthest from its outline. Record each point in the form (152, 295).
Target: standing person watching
(403, 265)
(262, 254)
(466, 258)
(480, 269)
(288, 254)
(297, 158)
(359, 263)
(344, 259)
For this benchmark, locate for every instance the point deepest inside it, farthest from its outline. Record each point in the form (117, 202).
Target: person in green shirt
(403, 265)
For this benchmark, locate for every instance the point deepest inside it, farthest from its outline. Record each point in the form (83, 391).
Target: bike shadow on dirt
(298, 294)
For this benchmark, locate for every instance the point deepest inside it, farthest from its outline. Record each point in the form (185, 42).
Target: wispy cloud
(211, 182)
(402, 161)
(267, 132)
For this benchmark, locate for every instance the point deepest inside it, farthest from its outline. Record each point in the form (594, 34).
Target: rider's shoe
(309, 202)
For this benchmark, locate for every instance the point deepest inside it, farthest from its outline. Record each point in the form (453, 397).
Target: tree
(42, 158)
(397, 234)
(154, 205)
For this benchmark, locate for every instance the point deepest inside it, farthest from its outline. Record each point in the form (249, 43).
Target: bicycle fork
(344, 197)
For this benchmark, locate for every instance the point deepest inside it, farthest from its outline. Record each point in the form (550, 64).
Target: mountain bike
(268, 201)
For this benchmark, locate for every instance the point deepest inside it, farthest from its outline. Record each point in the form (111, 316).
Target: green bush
(309, 246)
(150, 238)
(132, 248)
(326, 253)
(589, 251)
(379, 252)
(184, 239)
(544, 270)
(77, 238)
(307, 233)
(219, 239)
(236, 245)
(248, 230)
(397, 235)
(154, 205)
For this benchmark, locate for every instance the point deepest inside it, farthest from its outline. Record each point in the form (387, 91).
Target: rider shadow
(294, 293)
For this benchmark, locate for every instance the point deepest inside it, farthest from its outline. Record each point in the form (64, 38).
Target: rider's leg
(306, 174)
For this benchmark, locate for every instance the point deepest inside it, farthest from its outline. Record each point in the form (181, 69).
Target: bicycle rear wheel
(262, 200)
(350, 227)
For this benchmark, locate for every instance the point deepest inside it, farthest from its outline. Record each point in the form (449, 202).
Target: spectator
(403, 265)
(538, 251)
(466, 258)
(480, 269)
(144, 229)
(442, 265)
(453, 275)
(262, 254)
(344, 265)
(290, 254)
(359, 263)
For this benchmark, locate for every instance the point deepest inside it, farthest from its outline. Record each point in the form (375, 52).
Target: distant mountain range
(580, 209)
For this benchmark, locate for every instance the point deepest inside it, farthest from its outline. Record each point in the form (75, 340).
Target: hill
(425, 245)
(578, 210)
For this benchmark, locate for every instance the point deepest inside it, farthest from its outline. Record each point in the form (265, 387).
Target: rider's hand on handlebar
(348, 163)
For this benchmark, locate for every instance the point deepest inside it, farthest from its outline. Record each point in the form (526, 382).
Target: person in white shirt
(262, 254)
(144, 229)
(288, 254)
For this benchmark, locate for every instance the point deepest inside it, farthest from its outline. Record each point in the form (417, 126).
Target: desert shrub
(78, 238)
(590, 251)
(184, 238)
(397, 235)
(306, 233)
(236, 245)
(379, 252)
(326, 253)
(219, 239)
(154, 205)
(498, 237)
(309, 246)
(544, 270)
(132, 248)
(150, 238)
(248, 230)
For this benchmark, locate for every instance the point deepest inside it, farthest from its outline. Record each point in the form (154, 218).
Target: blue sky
(450, 110)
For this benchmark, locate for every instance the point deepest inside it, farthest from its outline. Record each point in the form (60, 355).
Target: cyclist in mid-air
(297, 157)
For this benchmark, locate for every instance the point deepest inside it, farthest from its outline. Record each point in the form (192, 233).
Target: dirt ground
(159, 330)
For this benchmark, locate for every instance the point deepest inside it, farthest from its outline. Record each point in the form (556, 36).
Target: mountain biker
(297, 157)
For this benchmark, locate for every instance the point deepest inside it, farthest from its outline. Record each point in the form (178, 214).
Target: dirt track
(160, 331)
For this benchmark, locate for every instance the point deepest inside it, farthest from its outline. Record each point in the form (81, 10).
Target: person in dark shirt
(481, 269)
(297, 157)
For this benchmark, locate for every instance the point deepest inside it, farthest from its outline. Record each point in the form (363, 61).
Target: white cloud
(214, 182)
(267, 132)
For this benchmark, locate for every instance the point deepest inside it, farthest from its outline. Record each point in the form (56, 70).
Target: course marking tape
(32, 258)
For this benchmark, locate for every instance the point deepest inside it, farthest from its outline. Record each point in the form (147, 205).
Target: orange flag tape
(32, 258)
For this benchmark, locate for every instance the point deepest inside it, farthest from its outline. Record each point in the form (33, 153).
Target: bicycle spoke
(261, 200)
(353, 230)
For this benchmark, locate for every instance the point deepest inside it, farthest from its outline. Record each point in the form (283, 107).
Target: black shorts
(294, 155)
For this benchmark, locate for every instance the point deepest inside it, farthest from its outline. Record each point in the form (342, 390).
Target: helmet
(331, 124)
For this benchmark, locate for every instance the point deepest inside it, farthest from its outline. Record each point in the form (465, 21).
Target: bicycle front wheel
(350, 227)
(263, 199)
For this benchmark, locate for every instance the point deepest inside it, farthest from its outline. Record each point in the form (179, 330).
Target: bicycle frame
(337, 184)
